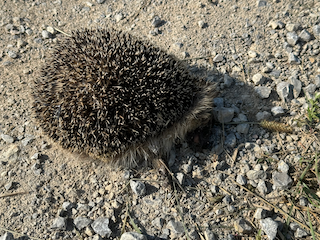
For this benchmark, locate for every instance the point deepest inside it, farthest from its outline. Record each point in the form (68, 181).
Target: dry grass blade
(125, 218)
(275, 207)
(12, 194)
(276, 126)
(60, 31)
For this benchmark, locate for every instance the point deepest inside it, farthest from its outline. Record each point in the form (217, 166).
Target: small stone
(292, 38)
(293, 59)
(291, 27)
(255, 175)
(180, 177)
(270, 227)
(29, 31)
(82, 222)
(263, 92)
(281, 180)
(218, 58)
(303, 201)
(175, 227)
(158, 222)
(51, 30)
(7, 138)
(258, 79)
(12, 54)
(262, 115)
(224, 115)
(242, 226)
(133, 236)
(285, 91)
(7, 236)
(67, 206)
(241, 180)
(316, 30)
(231, 140)
(138, 187)
(317, 80)
(294, 226)
(27, 140)
(209, 235)
(252, 54)
(219, 102)
(243, 128)
(8, 186)
(300, 233)
(311, 88)
(201, 24)
(261, 3)
(276, 24)
(35, 156)
(185, 54)
(260, 214)
(305, 35)
(296, 86)
(277, 111)
(21, 43)
(177, 46)
(227, 80)
(101, 227)
(100, 1)
(45, 34)
(10, 152)
(59, 223)
(283, 167)
(156, 21)
(118, 17)
(38, 40)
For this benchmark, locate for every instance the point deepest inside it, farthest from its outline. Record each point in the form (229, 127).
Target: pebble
(277, 111)
(29, 31)
(303, 201)
(260, 213)
(317, 81)
(175, 226)
(262, 115)
(258, 79)
(138, 187)
(101, 227)
(7, 138)
(300, 233)
(252, 54)
(224, 115)
(158, 222)
(67, 206)
(201, 24)
(8, 186)
(292, 38)
(231, 140)
(180, 177)
(243, 128)
(100, 1)
(59, 223)
(35, 156)
(263, 92)
(296, 86)
(118, 17)
(276, 24)
(261, 3)
(227, 80)
(132, 236)
(285, 91)
(281, 180)
(305, 35)
(209, 235)
(311, 88)
(11, 152)
(7, 236)
(270, 227)
(255, 175)
(293, 59)
(156, 21)
(82, 222)
(12, 54)
(27, 140)
(218, 58)
(241, 180)
(219, 102)
(316, 30)
(283, 167)
(45, 34)
(292, 27)
(242, 226)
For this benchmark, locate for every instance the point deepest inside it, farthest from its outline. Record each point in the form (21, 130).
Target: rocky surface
(264, 55)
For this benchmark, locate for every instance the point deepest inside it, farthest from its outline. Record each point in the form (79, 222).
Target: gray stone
(261, 3)
(67, 206)
(303, 201)
(285, 91)
(281, 180)
(27, 140)
(209, 235)
(156, 21)
(83, 207)
(283, 167)
(45, 34)
(175, 227)
(292, 27)
(260, 213)
(12, 54)
(201, 24)
(8, 186)
(29, 31)
(133, 236)
(252, 54)
(59, 223)
(82, 222)
(258, 79)
(35, 156)
(219, 102)
(317, 80)
(263, 92)
(227, 80)
(296, 86)
(255, 175)
(294, 226)
(242, 226)
(101, 227)
(7, 236)
(276, 24)
(263, 115)
(218, 58)
(7, 138)
(100, 1)
(316, 30)
(138, 187)
(293, 59)
(305, 35)
(231, 140)
(243, 128)
(180, 177)
(270, 227)
(277, 111)
(224, 115)
(241, 180)
(11, 152)
(118, 17)
(292, 38)
(177, 45)
(300, 233)
(227, 199)
(311, 88)
(158, 222)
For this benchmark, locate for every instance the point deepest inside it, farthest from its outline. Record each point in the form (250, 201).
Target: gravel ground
(265, 56)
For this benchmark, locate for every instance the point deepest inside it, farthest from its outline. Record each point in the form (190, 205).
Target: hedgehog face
(106, 93)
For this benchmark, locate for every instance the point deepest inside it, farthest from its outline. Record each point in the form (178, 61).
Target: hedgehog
(115, 97)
